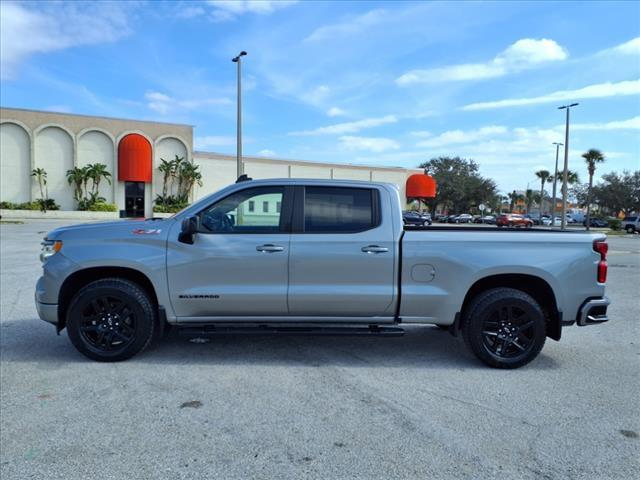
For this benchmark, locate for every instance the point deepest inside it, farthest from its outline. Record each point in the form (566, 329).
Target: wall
(15, 163)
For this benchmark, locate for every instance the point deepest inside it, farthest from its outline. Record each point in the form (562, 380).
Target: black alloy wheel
(504, 327)
(111, 320)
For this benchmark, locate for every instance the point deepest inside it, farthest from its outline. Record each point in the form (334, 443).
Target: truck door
(342, 259)
(238, 263)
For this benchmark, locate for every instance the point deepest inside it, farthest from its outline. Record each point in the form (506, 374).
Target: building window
(252, 206)
(278, 206)
(265, 207)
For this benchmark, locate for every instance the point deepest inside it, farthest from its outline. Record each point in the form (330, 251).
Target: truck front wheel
(504, 327)
(110, 320)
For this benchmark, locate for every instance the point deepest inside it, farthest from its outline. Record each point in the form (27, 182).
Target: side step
(211, 330)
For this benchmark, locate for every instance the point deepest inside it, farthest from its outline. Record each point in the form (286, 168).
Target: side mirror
(190, 227)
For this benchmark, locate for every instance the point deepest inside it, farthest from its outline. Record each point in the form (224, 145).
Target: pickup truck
(316, 256)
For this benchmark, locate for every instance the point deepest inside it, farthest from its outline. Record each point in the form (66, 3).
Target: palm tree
(592, 157)
(529, 197)
(513, 199)
(96, 172)
(77, 176)
(40, 174)
(544, 177)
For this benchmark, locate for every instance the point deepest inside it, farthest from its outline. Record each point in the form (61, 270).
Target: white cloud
(371, 144)
(352, 25)
(523, 54)
(630, 124)
(25, 31)
(632, 47)
(453, 137)
(335, 112)
(266, 153)
(316, 96)
(213, 141)
(421, 134)
(224, 10)
(163, 104)
(349, 127)
(600, 90)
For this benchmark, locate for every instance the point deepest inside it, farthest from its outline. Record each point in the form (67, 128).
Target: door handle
(374, 249)
(269, 247)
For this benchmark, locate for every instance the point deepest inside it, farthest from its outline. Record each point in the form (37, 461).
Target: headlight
(49, 248)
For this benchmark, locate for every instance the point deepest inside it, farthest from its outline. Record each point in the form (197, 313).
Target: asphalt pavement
(418, 406)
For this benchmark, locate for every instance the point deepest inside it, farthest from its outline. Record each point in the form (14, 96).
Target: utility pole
(240, 165)
(555, 181)
(566, 166)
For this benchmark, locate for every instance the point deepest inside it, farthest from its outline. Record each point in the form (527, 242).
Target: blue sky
(381, 83)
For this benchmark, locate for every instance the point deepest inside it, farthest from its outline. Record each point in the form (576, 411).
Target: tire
(510, 224)
(111, 320)
(630, 229)
(499, 225)
(426, 223)
(488, 328)
(528, 225)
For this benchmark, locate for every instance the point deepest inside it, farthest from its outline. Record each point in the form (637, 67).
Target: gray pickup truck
(316, 256)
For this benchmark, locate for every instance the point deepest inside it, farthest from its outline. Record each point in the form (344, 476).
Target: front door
(238, 263)
(134, 199)
(342, 261)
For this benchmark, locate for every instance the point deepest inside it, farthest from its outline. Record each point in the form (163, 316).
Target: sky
(376, 83)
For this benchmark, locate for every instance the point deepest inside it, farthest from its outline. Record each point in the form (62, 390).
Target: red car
(513, 220)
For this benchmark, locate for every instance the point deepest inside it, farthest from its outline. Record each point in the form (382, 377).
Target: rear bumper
(593, 311)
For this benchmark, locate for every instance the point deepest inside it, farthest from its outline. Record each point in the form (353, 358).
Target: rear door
(342, 259)
(238, 263)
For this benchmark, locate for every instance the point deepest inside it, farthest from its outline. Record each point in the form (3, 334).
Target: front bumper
(48, 312)
(593, 311)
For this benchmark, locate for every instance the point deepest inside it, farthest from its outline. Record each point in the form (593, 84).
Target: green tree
(459, 184)
(77, 177)
(40, 174)
(96, 172)
(545, 177)
(529, 198)
(514, 197)
(591, 157)
(619, 192)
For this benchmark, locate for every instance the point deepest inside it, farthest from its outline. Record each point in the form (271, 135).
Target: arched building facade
(132, 151)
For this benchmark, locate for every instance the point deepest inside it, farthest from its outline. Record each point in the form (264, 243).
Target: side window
(339, 209)
(237, 213)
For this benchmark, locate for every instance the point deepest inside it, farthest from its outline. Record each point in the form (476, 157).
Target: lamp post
(555, 181)
(240, 165)
(566, 165)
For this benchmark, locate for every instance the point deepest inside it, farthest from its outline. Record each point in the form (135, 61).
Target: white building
(131, 150)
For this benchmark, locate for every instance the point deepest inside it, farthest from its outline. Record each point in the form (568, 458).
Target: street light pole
(555, 181)
(566, 166)
(240, 166)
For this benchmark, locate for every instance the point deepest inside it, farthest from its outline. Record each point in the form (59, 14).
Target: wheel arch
(80, 278)
(533, 285)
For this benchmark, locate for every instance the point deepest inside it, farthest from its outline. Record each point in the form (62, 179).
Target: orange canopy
(134, 159)
(421, 186)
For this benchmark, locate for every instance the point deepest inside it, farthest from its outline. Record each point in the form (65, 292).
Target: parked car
(631, 224)
(416, 218)
(442, 218)
(464, 218)
(488, 219)
(452, 218)
(513, 220)
(342, 254)
(534, 217)
(596, 222)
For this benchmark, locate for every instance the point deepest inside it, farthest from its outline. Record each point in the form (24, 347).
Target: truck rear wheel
(504, 327)
(110, 320)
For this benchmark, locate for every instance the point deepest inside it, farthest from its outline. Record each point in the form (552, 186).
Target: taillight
(602, 248)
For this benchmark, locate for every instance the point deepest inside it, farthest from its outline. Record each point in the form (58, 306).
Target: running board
(211, 330)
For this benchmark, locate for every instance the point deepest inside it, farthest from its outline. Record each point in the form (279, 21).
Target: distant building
(131, 150)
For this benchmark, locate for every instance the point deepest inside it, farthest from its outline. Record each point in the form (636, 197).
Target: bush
(48, 204)
(169, 208)
(615, 224)
(103, 207)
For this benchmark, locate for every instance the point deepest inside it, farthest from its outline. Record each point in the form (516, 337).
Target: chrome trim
(584, 317)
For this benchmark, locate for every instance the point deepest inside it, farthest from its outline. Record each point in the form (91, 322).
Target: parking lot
(417, 406)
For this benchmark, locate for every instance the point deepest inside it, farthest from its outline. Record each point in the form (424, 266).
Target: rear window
(339, 209)
(629, 219)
